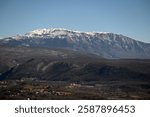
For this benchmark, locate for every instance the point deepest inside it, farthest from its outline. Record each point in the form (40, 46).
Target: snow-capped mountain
(104, 44)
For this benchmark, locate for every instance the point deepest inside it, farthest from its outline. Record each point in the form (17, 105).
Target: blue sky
(128, 17)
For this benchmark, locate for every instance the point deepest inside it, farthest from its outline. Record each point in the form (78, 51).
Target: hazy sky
(128, 17)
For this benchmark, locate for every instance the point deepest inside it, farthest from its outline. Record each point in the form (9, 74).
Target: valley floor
(60, 90)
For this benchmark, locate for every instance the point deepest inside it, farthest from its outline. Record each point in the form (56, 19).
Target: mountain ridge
(105, 44)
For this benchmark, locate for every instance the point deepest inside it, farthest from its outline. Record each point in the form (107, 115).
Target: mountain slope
(66, 65)
(107, 45)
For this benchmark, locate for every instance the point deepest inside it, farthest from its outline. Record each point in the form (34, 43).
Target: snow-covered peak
(105, 44)
(50, 32)
(77, 36)
(61, 32)
(74, 36)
